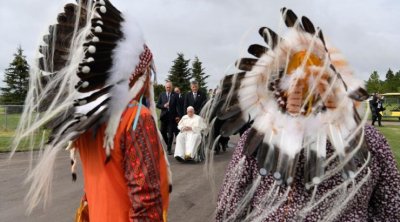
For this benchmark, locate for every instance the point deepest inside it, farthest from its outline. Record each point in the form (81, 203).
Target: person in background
(379, 109)
(373, 105)
(210, 93)
(195, 98)
(167, 103)
(180, 105)
(188, 140)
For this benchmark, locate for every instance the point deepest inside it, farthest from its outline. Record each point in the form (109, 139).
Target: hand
(177, 119)
(187, 128)
(166, 105)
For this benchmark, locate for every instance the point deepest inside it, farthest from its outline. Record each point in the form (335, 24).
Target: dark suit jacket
(171, 113)
(198, 103)
(180, 105)
(373, 105)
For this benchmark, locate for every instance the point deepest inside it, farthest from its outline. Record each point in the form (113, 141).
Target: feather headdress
(299, 92)
(91, 64)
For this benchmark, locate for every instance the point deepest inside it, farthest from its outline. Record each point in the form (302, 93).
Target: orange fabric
(105, 184)
(164, 180)
(164, 183)
(156, 182)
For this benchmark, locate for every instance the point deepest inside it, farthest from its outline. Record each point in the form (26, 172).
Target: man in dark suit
(373, 105)
(195, 98)
(167, 104)
(180, 106)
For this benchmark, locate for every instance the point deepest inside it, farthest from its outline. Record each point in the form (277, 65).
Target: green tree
(397, 81)
(158, 89)
(179, 74)
(374, 84)
(199, 75)
(16, 79)
(389, 84)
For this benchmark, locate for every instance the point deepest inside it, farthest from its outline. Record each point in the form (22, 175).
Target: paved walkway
(192, 199)
(391, 123)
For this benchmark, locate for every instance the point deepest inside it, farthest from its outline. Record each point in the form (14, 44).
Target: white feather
(126, 56)
(114, 120)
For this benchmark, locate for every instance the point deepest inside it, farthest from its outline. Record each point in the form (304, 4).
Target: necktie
(194, 96)
(168, 95)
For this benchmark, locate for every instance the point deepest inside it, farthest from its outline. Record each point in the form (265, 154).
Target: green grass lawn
(8, 124)
(392, 134)
(6, 139)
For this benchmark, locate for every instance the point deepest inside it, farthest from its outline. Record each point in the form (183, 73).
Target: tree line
(181, 74)
(16, 80)
(16, 77)
(391, 83)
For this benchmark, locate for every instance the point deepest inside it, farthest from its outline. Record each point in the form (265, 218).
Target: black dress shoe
(169, 152)
(179, 159)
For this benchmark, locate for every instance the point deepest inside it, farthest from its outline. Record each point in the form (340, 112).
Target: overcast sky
(217, 31)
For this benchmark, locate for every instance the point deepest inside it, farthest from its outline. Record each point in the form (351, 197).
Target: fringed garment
(133, 185)
(377, 200)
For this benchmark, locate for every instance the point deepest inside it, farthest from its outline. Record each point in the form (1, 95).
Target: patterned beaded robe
(133, 185)
(377, 200)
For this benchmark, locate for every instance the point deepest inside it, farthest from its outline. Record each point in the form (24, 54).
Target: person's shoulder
(377, 143)
(145, 112)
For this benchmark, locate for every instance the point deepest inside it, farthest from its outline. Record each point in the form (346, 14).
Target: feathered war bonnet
(91, 64)
(298, 93)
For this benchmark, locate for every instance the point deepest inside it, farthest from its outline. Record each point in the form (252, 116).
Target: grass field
(8, 125)
(9, 122)
(392, 134)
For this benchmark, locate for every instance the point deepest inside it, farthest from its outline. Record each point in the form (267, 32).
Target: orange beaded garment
(133, 185)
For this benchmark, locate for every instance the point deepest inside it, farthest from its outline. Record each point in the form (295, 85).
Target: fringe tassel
(72, 156)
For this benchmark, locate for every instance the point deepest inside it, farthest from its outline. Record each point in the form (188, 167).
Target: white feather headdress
(92, 63)
(297, 93)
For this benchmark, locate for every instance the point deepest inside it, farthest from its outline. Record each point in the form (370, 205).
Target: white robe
(187, 142)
